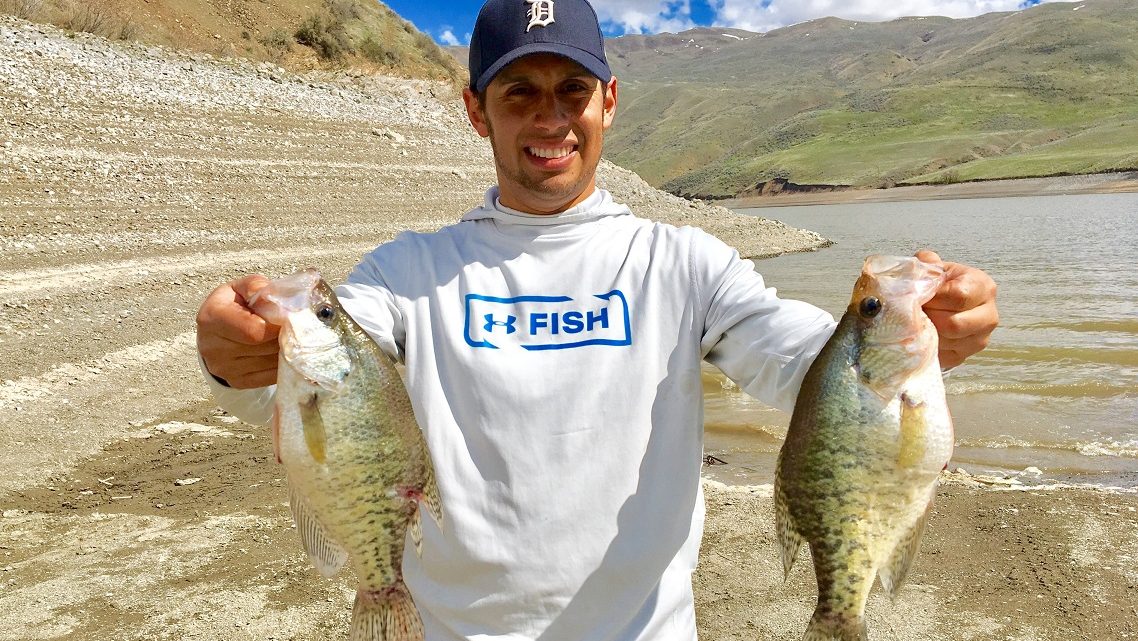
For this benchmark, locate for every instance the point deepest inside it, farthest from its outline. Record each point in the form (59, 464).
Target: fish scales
(356, 460)
(868, 439)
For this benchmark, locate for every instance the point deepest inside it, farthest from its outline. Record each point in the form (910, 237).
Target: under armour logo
(508, 323)
(540, 13)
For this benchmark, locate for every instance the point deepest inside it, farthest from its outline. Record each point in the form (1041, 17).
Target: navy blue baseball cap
(509, 29)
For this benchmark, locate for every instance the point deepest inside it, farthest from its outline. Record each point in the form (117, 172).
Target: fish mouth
(285, 296)
(311, 348)
(904, 277)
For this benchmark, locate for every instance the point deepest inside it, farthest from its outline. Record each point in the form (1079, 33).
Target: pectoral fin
(416, 530)
(313, 424)
(276, 430)
(911, 450)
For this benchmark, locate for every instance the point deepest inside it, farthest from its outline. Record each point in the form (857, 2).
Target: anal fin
(326, 554)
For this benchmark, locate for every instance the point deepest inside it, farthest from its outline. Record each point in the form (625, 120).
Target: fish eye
(869, 307)
(326, 313)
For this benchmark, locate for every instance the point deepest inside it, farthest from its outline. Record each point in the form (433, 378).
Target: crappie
(867, 441)
(356, 461)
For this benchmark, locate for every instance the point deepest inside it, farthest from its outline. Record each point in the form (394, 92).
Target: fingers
(256, 377)
(962, 337)
(955, 325)
(236, 344)
(928, 256)
(226, 313)
(249, 285)
(964, 288)
(963, 310)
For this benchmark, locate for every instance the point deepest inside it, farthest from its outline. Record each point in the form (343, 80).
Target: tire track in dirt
(382, 168)
(86, 276)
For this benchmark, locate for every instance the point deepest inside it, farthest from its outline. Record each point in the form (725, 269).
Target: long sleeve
(762, 342)
(366, 296)
(254, 406)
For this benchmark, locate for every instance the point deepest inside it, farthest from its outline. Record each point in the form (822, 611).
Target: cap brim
(591, 63)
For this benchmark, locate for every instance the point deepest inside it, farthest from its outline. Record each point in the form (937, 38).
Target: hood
(598, 205)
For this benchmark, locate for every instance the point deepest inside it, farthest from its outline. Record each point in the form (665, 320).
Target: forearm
(768, 356)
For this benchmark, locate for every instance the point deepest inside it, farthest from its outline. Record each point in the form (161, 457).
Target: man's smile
(559, 151)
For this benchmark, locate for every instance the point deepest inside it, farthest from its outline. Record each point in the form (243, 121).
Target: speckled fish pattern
(357, 464)
(868, 438)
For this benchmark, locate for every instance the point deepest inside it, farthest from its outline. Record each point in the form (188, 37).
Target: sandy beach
(1086, 184)
(133, 180)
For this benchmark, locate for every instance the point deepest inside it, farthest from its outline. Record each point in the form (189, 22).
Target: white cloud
(645, 16)
(447, 37)
(764, 16)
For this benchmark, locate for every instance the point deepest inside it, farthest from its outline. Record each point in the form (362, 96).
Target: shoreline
(1025, 565)
(1107, 183)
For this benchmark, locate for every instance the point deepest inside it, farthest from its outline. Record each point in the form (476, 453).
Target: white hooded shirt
(554, 366)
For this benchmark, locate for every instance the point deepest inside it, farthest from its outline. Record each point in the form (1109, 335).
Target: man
(552, 344)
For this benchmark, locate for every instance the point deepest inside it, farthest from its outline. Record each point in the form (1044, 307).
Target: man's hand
(237, 345)
(963, 310)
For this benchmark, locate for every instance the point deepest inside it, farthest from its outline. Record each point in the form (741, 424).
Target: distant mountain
(719, 112)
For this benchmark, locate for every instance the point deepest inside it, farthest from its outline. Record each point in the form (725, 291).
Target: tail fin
(385, 615)
(832, 627)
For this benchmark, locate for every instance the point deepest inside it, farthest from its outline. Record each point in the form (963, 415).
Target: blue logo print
(547, 322)
(508, 324)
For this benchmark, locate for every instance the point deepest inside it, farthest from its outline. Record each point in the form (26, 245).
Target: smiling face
(545, 116)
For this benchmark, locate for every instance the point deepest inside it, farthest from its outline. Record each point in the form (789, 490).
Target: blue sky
(450, 21)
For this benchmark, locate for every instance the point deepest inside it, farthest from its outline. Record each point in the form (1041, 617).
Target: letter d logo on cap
(540, 13)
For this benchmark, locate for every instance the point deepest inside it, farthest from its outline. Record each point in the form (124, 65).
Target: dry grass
(327, 37)
(24, 9)
(98, 18)
(89, 18)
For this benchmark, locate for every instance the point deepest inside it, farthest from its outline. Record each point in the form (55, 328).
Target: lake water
(1057, 388)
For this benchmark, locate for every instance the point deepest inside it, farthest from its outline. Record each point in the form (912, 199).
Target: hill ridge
(915, 100)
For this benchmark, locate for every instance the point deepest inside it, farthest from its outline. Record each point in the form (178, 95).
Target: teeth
(559, 152)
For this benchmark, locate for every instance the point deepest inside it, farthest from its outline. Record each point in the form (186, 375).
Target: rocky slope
(297, 34)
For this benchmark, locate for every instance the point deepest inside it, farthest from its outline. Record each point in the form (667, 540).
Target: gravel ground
(133, 180)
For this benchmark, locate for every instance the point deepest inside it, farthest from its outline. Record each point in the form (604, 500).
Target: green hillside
(1049, 90)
